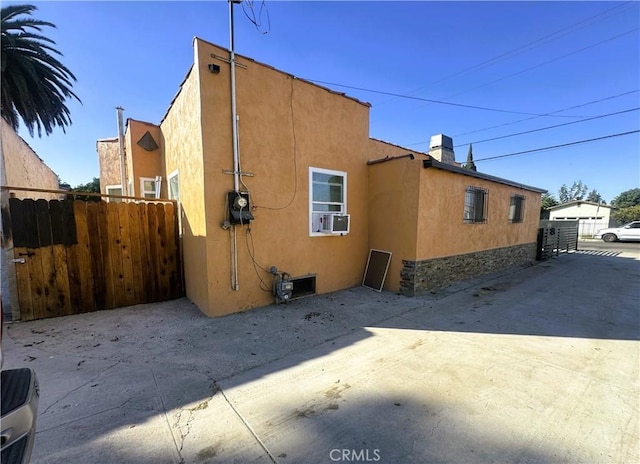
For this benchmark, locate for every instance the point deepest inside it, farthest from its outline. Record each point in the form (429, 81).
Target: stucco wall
(182, 141)
(441, 228)
(417, 214)
(109, 161)
(24, 168)
(143, 163)
(286, 126)
(393, 206)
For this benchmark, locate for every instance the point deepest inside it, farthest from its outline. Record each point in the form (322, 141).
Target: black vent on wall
(147, 142)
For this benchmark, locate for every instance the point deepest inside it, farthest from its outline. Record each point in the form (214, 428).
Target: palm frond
(35, 85)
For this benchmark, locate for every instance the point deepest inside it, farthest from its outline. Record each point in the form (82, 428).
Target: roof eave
(432, 163)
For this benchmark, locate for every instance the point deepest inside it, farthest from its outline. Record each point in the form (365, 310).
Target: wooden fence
(76, 256)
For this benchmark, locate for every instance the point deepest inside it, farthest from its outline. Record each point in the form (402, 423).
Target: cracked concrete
(537, 364)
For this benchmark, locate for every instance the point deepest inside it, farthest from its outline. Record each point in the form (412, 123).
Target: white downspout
(123, 163)
(234, 129)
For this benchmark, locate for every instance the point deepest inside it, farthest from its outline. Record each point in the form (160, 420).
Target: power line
(544, 63)
(557, 146)
(550, 127)
(440, 102)
(546, 114)
(525, 48)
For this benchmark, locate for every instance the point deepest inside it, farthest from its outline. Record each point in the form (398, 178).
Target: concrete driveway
(533, 365)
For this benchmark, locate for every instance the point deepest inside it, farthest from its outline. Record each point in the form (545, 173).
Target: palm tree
(35, 84)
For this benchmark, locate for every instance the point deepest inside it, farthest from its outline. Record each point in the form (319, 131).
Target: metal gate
(555, 237)
(75, 256)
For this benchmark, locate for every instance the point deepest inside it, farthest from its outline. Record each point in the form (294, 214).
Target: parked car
(629, 231)
(20, 397)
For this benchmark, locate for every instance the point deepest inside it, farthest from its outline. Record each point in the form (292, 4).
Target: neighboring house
(20, 167)
(591, 216)
(305, 154)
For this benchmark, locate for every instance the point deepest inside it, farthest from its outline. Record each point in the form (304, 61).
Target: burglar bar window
(516, 208)
(475, 205)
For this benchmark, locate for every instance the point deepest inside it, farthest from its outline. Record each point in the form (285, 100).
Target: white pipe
(234, 132)
(234, 114)
(123, 164)
(236, 284)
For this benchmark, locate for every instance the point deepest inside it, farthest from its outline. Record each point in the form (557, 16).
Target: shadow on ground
(104, 375)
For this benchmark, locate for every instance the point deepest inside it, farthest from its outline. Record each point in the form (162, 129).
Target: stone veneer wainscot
(419, 277)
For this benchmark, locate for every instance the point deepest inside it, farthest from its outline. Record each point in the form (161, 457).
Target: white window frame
(343, 204)
(174, 174)
(143, 192)
(111, 187)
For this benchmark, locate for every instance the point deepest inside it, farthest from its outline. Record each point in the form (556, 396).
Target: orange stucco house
(307, 164)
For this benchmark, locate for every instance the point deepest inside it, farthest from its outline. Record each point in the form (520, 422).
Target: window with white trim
(173, 182)
(327, 196)
(114, 190)
(148, 187)
(516, 208)
(475, 205)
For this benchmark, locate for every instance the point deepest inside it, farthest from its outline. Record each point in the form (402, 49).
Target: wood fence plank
(82, 252)
(136, 252)
(163, 269)
(75, 272)
(45, 252)
(153, 251)
(145, 252)
(95, 216)
(115, 256)
(126, 249)
(24, 223)
(36, 283)
(171, 250)
(60, 258)
(25, 300)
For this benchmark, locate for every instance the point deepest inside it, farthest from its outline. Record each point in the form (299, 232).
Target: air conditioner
(337, 224)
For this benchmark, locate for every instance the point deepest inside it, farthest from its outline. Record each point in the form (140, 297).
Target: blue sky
(520, 58)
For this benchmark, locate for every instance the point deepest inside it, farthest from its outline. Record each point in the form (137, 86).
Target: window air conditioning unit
(336, 224)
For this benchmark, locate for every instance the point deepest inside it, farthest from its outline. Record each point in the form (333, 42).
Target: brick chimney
(441, 149)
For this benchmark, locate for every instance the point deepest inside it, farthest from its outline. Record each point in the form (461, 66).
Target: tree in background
(627, 198)
(470, 164)
(628, 206)
(548, 201)
(34, 83)
(93, 187)
(595, 197)
(576, 192)
(628, 214)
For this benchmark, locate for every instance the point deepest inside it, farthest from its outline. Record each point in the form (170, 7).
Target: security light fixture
(214, 68)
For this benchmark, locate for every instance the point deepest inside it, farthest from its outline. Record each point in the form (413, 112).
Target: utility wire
(578, 142)
(484, 108)
(546, 114)
(525, 48)
(549, 127)
(544, 63)
(257, 20)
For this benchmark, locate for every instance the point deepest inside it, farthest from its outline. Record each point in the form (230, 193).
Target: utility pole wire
(522, 48)
(544, 63)
(549, 127)
(578, 142)
(546, 114)
(430, 100)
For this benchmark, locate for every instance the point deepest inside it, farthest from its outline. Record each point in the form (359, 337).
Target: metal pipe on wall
(123, 163)
(234, 133)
